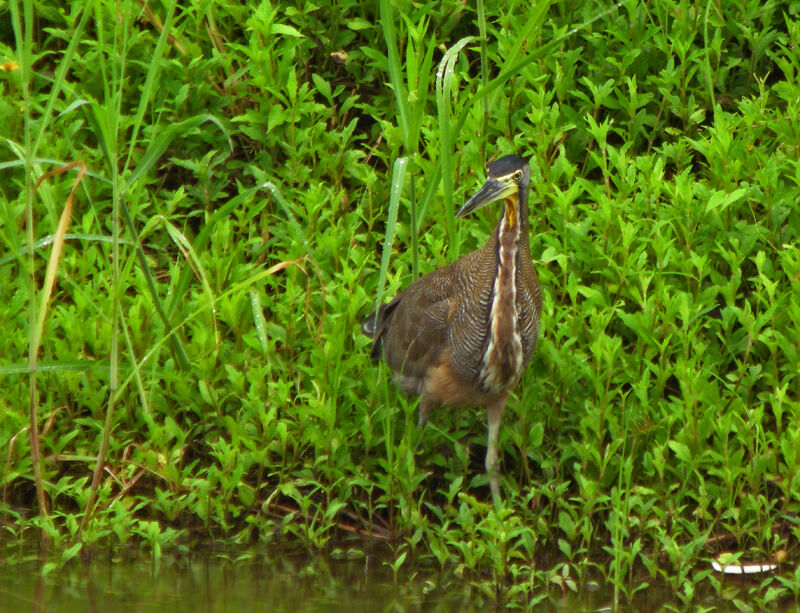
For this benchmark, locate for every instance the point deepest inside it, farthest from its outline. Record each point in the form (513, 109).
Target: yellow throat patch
(511, 211)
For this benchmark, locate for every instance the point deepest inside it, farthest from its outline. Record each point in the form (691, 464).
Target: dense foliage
(237, 162)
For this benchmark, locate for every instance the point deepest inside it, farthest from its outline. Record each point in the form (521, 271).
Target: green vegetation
(208, 190)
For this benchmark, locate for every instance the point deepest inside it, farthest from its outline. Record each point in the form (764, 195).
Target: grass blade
(177, 348)
(158, 146)
(202, 238)
(532, 24)
(197, 265)
(57, 249)
(484, 68)
(23, 35)
(395, 72)
(444, 84)
(259, 321)
(63, 67)
(69, 236)
(154, 67)
(398, 180)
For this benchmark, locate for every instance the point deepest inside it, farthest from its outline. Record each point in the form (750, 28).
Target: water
(209, 581)
(268, 579)
(245, 580)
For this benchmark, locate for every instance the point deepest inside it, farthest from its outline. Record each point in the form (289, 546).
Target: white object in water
(742, 569)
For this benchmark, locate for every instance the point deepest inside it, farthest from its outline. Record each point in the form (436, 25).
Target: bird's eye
(517, 175)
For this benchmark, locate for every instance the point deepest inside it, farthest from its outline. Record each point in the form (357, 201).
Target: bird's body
(462, 335)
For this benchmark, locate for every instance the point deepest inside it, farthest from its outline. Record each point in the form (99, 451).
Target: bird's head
(506, 177)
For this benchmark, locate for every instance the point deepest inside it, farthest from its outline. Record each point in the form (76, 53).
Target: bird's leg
(426, 405)
(494, 415)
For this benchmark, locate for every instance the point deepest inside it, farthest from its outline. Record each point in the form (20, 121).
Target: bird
(462, 335)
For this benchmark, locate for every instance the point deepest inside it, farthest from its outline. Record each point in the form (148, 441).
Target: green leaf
(722, 200)
(283, 29)
(536, 435)
(322, 85)
(358, 24)
(71, 551)
(246, 494)
(681, 451)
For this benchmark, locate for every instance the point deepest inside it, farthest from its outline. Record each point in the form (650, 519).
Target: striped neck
(503, 359)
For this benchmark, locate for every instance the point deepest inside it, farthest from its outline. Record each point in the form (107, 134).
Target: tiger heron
(462, 335)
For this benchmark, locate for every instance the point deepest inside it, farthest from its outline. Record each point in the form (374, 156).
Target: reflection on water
(266, 578)
(219, 581)
(256, 579)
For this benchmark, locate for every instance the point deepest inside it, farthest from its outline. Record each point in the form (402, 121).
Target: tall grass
(24, 39)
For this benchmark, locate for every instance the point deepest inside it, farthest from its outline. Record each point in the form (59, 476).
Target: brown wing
(446, 309)
(413, 332)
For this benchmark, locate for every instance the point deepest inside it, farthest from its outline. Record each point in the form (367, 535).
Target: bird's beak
(491, 191)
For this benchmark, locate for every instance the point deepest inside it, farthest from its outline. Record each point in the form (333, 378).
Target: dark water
(245, 581)
(270, 579)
